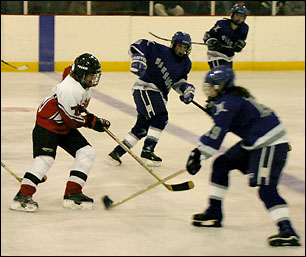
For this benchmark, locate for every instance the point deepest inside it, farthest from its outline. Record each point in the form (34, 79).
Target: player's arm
(138, 52)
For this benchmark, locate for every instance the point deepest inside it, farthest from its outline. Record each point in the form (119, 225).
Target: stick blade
(24, 67)
(107, 202)
(181, 187)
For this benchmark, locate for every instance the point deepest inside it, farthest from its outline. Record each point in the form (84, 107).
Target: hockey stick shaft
(200, 106)
(166, 39)
(195, 43)
(16, 68)
(179, 187)
(147, 188)
(19, 179)
(11, 172)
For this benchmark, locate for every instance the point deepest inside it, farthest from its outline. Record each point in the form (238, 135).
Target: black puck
(107, 201)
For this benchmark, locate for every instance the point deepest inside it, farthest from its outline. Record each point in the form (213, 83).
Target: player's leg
(77, 146)
(266, 165)
(154, 108)
(234, 158)
(44, 152)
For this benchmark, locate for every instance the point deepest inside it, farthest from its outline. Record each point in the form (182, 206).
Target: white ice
(157, 222)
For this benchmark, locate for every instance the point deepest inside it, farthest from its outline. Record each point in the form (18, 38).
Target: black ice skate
(151, 159)
(24, 203)
(114, 158)
(206, 220)
(78, 201)
(284, 239)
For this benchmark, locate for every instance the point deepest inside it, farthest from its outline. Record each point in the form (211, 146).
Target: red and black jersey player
(57, 121)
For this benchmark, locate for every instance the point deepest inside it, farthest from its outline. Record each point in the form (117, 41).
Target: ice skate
(207, 219)
(113, 159)
(284, 239)
(78, 201)
(24, 203)
(151, 159)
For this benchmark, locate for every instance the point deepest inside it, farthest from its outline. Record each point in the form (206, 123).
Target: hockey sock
(72, 188)
(27, 190)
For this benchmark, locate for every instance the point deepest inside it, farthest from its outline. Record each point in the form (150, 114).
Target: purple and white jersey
(256, 124)
(164, 69)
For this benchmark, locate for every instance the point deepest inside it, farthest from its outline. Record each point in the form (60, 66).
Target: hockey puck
(107, 201)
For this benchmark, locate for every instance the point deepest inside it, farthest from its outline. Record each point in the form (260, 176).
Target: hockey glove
(188, 93)
(239, 45)
(97, 124)
(214, 44)
(138, 64)
(194, 163)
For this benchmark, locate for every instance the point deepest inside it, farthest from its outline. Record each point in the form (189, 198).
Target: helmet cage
(183, 39)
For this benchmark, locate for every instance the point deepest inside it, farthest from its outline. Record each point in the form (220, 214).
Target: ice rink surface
(157, 222)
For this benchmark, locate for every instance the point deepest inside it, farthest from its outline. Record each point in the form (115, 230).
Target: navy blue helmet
(220, 77)
(238, 9)
(183, 39)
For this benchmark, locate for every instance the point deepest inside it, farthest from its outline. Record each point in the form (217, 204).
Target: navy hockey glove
(194, 163)
(97, 124)
(239, 45)
(188, 93)
(214, 44)
(138, 64)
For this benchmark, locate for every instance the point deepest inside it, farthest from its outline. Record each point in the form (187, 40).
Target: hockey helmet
(219, 78)
(86, 69)
(238, 9)
(183, 39)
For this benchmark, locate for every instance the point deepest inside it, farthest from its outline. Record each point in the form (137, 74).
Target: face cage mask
(94, 81)
(207, 89)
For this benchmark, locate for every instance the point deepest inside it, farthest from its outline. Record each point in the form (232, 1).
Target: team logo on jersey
(48, 150)
(220, 108)
(216, 28)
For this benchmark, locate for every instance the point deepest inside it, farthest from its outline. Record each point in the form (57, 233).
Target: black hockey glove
(97, 124)
(239, 45)
(214, 44)
(194, 163)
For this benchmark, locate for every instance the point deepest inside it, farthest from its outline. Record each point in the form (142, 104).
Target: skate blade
(151, 163)
(16, 206)
(207, 224)
(291, 241)
(70, 204)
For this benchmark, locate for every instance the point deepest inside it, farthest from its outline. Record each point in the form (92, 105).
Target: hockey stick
(24, 67)
(200, 106)
(176, 187)
(195, 43)
(15, 176)
(108, 203)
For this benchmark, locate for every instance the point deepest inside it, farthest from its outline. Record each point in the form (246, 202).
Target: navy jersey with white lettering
(223, 31)
(256, 124)
(164, 69)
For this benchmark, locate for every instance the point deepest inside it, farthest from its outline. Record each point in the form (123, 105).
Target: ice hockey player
(227, 37)
(159, 69)
(57, 121)
(261, 153)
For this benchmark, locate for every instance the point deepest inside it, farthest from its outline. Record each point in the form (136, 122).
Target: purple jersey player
(159, 68)
(261, 153)
(226, 37)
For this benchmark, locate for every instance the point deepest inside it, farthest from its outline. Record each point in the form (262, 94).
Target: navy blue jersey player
(227, 37)
(261, 153)
(159, 69)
